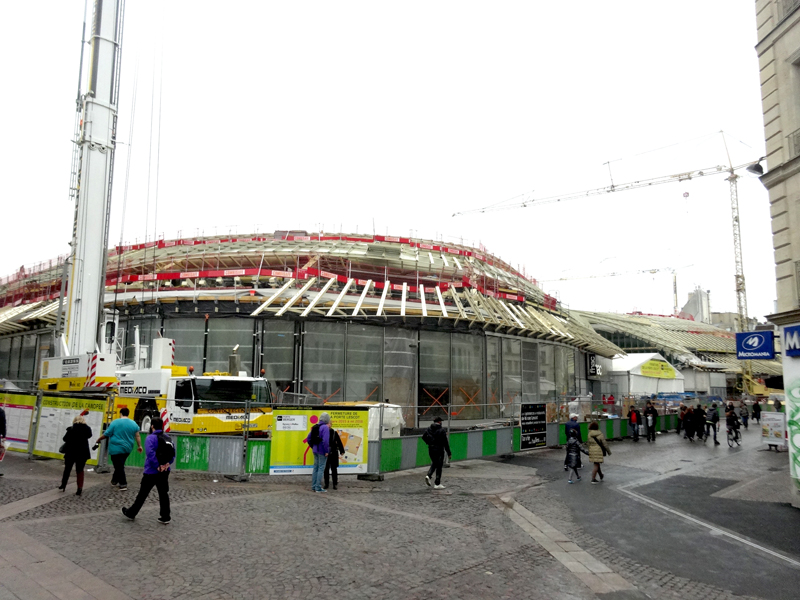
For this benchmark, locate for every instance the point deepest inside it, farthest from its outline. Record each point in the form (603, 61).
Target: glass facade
(223, 336)
(364, 363)
(5, 357)
(467, 364)
(461, 376)
(400, 370)
(190, 338)
(277, 354)
(323, 361)
(434, 375)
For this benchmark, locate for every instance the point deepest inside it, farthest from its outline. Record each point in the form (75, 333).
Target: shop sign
(755, 344)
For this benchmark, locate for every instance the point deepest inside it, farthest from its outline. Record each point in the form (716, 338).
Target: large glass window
(467, 361)
(530, 372)
(494, 378)
(223, 336)
(562, 372)
(434, 374)
(512, 376)
(27, 361)
(5, 356)
(190, 337)
(399, 370)
(364, 363)
(13, 367)
(277, 359)
(323, 361)
(547, 372)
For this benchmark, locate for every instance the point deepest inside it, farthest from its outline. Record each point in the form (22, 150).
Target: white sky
(292, 115)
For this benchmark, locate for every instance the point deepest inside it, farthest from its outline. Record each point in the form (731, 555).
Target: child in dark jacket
(574, 450)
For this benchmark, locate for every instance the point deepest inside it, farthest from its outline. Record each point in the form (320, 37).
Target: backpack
(427, 437)
(165, 450)
(314, 438)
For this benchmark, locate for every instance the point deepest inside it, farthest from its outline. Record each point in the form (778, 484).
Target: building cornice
(781, 173)
(789, 317)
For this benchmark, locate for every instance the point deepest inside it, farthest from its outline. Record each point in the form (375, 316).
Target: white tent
(645, 374)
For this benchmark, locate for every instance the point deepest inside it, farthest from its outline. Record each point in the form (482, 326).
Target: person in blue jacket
(121, 435)
(156, 474)
(321, 451)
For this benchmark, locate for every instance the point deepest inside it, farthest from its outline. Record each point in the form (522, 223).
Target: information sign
(533, 423)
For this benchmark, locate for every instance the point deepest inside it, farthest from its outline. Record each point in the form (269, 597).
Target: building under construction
(337, 317)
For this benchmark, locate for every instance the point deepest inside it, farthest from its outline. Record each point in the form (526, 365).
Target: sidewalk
(490, 534)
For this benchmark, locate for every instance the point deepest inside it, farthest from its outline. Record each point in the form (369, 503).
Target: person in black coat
(699, 421)
(574, 450)
(651, 418)
(436, 438)
(76, 451)
(332, 465)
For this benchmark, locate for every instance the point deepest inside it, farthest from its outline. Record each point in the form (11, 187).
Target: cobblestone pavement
(395, 539)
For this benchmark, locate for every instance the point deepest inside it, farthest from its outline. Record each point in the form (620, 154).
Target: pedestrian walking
(2, 434)
(634, 422)
(76, 451)
(159, 454)
(699, 421)
(332, 464)
(688, 424)
(681, 413)
(319, 440)
(712, 422)
(572, 426)
(651, 416)
(757, 411)
(436, 438)
(598, 448)
(744, 414)
(121, 435)
(574, 449)
(777, 404)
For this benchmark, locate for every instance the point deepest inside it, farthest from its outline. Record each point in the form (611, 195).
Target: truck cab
(216, 403)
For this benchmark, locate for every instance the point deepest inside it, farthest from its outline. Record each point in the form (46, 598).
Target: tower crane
(529, 200)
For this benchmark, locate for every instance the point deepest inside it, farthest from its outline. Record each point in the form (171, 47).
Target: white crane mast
(96, 144)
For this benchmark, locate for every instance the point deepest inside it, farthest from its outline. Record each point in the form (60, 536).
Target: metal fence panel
(408, 458)
(225, 454)
(374, 457)
(505, 440)
(474, 444)
(552, 434)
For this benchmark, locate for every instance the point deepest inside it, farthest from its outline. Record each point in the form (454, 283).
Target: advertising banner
(533, 423)
(659, 369)
(291, 455)
(755, 344)
(19, 414)
(791, 384)
(57, 415)
(773, 429)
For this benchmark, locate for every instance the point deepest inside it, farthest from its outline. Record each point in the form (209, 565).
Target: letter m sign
(791, 340)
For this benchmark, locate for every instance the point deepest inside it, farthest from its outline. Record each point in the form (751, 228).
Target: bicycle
(733, 436)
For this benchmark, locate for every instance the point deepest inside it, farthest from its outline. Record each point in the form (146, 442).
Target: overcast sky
(393, 116)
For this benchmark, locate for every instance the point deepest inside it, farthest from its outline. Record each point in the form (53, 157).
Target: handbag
(63, 448)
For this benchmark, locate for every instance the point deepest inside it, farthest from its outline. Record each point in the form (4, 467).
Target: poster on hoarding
(533, 424)
(291, 455)
(57, 414)
(773, 429)
(19, 415)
